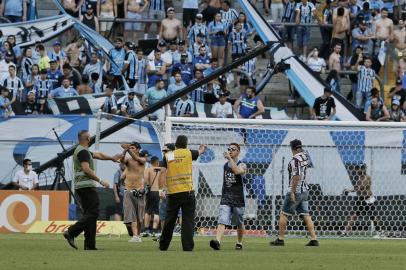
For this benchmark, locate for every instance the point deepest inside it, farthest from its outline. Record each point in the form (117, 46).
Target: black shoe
(277, 242)
(70, 239)
(214, 244)
(87, 248)
(238, 246)
(313, 243)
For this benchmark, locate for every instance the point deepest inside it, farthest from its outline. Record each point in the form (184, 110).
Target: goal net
(345, 157)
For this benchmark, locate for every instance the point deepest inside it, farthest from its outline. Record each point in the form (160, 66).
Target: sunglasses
(232, 149)
(131, 94)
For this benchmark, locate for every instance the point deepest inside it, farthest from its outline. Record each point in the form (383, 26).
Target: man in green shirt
(85, 187)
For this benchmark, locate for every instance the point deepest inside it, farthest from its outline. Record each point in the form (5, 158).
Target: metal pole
(273, 192)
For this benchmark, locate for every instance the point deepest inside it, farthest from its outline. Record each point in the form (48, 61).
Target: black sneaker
(214, 244)
(238, 246)
(313, 243)
(88, 248)
(70, 239)
(277, 242)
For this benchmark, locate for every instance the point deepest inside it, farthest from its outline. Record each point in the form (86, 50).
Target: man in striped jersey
(13, 84)
(157, 12)
(304, 14)
(198, 28)
(110, 102)
(296, 200)
(238, 41)
(128, 69)
(228, 15)
(197, 95)
(141, 72)
(130, 105)
(42, 88)
(184, 107)
(289, 15)
(366, 77)
(249, 68)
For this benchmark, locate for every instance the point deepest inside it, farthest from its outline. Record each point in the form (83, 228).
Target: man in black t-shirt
(398, 92)
(31, 107)
(232, 202)
(324, 107)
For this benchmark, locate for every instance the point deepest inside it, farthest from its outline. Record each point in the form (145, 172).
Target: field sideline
(35, 251)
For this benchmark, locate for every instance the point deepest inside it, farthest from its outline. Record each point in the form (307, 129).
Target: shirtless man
(399, 37)
(213, 6)
(134, 200)
(133, 10)
(383, 29)
(401, 67)
(151, 178)
(106, 9)
(334, 61)
(74, 51)
(71, 7)
(171, 27)
(341, 26)
(364, 202)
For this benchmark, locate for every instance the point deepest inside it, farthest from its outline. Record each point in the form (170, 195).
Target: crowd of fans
(356, 35)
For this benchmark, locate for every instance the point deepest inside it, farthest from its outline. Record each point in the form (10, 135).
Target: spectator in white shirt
(316, 63)
(13, 83)
(222, 108)
(26, 179)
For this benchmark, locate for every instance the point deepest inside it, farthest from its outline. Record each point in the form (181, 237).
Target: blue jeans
(14, 19)
(300, 205)
(229, 215)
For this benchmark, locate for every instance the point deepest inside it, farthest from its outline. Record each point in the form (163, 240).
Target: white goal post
(340, 153)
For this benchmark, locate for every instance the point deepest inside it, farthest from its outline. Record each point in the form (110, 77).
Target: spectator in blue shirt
(185, 69)
(217, 32)
(14, 10)
(202, 61)
(152, 96)
(5, 104)
(66, 90)
(214, 64)
(178, 85)
(54, 74)
(117, 55)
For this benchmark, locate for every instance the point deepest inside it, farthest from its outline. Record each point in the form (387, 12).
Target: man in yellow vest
(85, 187)
(180, 193)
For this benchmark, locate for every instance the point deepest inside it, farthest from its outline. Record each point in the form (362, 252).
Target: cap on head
(170, 9)
(199, 15)
(162, 43)
(182, 42)
(396, 102)
(89, 6)
(136, 145)
(398, 82)
(295, 144)
(57, 43)
(168, 147)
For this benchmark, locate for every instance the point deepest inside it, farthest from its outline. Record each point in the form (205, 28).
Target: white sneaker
(135, 239)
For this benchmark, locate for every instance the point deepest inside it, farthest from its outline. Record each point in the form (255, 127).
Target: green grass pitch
(35, 251)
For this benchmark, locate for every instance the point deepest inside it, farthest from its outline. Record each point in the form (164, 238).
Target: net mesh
(369, 160)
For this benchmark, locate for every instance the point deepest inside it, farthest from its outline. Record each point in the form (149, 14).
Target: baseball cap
(183, 55)
(199, 15)
(222, 94)
(52, 61)
(181, 42)
(398, 82)
(33, 92)
(136, 145)
(144, 153)
(168, 147)
(295, 144)
(200, 35)
(9, 54)
(89, 6)
(159, 80)
(57, 43)
(170, 9)
(130, 45)
(162, 43)
(396, 102)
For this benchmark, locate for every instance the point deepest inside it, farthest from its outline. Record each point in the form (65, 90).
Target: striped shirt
(306, 12)
(183, 107)
(157, 5)
(366, 77)
(289, 12)
(141, 70)
(197, 95)
(42, 88)
(118, 57)
(109, 104)
(130, 59)
(195, 30)
(61, 56)
(15, 86)
(228, 17)
(297, 167)
(130, 105)
(238, 42)
(194, 49)
(26, 65)
(249, 67)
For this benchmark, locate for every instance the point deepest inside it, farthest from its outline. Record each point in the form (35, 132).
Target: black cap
(159, 80)
(168, 147)
(360, 47)
(162, 43)
(223, 94)
(398, 82)
(144, 153)
(136, 145)
(201, 35)
(52, 61)
(173, 42)
(181, 42)
(9, 54)
(130, 45)
(295, 144)
(89, 6)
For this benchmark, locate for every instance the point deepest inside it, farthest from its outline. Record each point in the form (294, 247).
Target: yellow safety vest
(179, 171)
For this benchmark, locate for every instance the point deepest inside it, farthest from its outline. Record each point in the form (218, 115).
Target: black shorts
(365, 209)
(119, 206)
(289, 33)
(189, 16)
(131, 82)
(152, 206)
(244, 81)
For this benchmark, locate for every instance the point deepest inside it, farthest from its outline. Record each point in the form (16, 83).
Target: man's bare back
(334, 61)
(133, 6)
(383, 28)
(363, 186)
(151, 177)
(399, 37)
